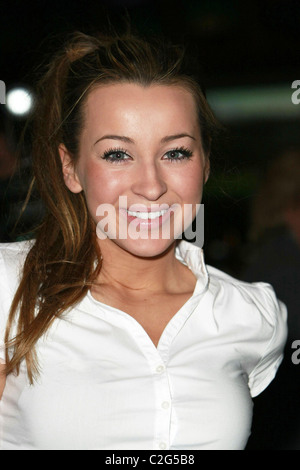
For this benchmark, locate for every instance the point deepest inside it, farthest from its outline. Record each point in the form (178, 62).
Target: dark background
(249, 43)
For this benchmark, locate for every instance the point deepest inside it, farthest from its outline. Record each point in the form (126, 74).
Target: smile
(147, 215)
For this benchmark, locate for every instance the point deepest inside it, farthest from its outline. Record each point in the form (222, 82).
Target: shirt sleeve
(12, 257)
(275, 314)
(3, 306)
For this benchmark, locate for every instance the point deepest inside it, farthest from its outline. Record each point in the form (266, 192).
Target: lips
(147, 215)
(143, 208)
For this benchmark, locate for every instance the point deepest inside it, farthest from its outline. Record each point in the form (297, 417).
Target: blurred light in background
(19, 101)
(245, 104)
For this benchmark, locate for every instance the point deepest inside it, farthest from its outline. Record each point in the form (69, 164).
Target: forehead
(131, 105)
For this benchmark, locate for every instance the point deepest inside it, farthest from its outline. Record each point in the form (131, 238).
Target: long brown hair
(65, 257)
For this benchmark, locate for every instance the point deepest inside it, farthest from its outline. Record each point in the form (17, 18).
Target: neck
(126, 271)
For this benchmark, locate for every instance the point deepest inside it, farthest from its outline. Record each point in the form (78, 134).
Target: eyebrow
(128, 140)
(169, 138)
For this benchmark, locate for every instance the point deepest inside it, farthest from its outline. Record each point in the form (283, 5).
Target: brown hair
(65, 258)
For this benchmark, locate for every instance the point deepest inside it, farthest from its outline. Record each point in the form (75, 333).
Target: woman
(119, 337)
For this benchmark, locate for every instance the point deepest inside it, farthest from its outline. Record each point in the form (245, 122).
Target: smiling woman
(125, 342)
(148, 170)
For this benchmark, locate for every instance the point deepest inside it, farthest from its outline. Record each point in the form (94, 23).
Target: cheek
(100, 186)
(190, 183)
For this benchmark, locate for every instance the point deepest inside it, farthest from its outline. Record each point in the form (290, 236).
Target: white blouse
(104, 385)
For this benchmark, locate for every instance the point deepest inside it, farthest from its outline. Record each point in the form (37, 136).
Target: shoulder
(258, 295)
(16, 248)
(256, 320)
(12, 254)
(235, 302)
(12, 258)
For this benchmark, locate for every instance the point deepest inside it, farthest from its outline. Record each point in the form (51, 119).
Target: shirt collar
(193, 257)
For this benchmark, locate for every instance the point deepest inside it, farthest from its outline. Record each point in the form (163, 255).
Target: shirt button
(165, 405)
(160, 369)
(162, 445)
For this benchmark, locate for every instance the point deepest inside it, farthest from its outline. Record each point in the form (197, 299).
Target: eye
(178, 154)
(115, 155)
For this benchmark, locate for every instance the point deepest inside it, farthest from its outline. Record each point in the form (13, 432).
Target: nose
(149, 182)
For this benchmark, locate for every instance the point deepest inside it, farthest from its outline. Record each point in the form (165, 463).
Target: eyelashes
(115, 155)
(120, 155)
(182, 153)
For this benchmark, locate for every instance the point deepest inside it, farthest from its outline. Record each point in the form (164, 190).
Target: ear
(70, 177)
(206, 169)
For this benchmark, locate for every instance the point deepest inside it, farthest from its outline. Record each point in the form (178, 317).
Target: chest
(153, 314)
(99, 392)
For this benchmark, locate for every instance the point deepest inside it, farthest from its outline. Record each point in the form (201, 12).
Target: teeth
(147, 215)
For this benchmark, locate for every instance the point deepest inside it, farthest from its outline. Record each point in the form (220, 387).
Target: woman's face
(141, 165)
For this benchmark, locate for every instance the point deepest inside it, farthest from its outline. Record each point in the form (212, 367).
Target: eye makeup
(118, 155)
(178, 154)
(115, 155)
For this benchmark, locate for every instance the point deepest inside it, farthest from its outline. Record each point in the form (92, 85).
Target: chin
(146, 248)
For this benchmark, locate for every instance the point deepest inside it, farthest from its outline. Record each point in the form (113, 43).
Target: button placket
(162, 445)
(160, 369)
(163, 408)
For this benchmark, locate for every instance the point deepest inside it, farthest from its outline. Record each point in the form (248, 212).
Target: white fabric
(104, 385)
